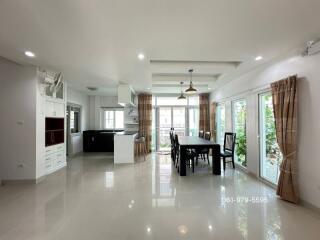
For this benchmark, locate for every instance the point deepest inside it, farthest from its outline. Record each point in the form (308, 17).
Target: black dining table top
(194, 141)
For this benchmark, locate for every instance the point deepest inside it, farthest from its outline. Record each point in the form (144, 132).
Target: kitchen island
(124, 147)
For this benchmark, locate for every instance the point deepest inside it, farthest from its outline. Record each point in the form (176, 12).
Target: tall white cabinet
(53, 157)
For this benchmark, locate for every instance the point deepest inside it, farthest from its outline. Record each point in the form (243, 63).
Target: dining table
(197, 143)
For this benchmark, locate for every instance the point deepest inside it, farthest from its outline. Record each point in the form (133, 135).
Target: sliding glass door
(239, 116)
(179, 120)
(270, 155)
(220, 123)
(165, 124)
(170, 117)
(169, 112)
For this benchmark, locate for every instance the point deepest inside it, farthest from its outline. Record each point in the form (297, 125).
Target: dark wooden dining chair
(172, 145)
(204, 153)
(201, 133)
(228, 148)
(190, 156)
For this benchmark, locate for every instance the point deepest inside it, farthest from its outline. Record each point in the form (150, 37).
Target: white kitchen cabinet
(49, 108)
(55, 109)
(59, 109)
(49, 163)
(55, 158)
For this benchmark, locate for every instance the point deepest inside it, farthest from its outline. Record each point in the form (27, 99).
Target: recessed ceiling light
(29, 54)
(148, 88)
(258, 58)
(209, 88)
(141, 56)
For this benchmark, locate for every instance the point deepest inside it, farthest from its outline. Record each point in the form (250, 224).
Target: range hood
(126, 95)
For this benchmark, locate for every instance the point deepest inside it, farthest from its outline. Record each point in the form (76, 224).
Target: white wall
(18, 121)
(81, 99)
(248, 87)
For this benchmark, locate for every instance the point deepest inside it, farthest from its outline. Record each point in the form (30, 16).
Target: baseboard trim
(22, 181)
(302, 202)
(72, 155)
(310, 206)
(18, 181)
(40, 179)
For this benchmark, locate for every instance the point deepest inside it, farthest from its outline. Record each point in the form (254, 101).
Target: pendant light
(191, 89)
(182, 96)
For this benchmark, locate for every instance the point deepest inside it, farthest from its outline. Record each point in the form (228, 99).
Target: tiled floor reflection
(93, 199)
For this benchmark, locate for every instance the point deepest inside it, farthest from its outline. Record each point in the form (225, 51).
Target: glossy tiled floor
(93, 199)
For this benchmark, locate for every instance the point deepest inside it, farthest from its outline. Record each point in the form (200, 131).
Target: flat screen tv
(54, 131)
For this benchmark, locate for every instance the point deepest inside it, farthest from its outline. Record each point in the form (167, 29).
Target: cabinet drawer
(50, 150)
(60, 159)
(50, 157)
(48, 165)
(59, 110)
(49, 161)
(49, 109)
(60, 148)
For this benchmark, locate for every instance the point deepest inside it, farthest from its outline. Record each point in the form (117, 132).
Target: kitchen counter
(98, 140)
(124, 147)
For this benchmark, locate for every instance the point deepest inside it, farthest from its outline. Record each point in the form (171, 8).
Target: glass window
(170, 112)
(153, 139)
(221, 123)
(165, 124)
(113, 119)
(153, 100)
(193, 121)
(109, 119)
(193, 100)
(270, 155)
(171, 101)
(239, 114)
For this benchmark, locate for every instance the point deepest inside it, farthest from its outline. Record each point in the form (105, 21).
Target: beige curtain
(204, 119)
(284, 95)
(213, 129)
(145, 118)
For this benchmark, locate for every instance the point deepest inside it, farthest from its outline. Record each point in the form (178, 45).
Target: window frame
(233, 102)
(261, 138)
(217, 122)
(114, 109)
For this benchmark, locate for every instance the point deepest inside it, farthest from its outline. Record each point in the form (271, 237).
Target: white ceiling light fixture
(29, 54)
(182, 96)
(141, 56)
(191, 89)
(258, 58)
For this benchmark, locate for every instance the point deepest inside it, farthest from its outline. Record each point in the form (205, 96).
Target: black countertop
(103, 131)
(126, 133)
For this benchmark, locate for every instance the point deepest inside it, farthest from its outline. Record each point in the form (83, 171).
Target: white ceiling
(96, 42)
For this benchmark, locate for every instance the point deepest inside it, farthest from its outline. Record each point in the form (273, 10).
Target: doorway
(73, 127)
